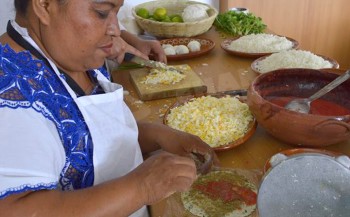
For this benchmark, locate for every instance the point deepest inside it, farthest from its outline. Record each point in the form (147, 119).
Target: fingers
(158, 52)
(164, 174)
(154, 49)
(134, 51)
(203, 154)
(120, 47)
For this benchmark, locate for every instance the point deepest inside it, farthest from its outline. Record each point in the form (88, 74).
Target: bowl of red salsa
(328, 121)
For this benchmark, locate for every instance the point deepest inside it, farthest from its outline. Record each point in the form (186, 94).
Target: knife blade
(239, 92)
(154, 64)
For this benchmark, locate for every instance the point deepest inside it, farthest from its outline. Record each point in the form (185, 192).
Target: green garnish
(126, 66)
(238, 24)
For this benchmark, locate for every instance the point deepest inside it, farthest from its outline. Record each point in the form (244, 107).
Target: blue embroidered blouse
(26, 83)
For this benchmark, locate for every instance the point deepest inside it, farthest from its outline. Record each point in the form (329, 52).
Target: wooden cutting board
(191, 84)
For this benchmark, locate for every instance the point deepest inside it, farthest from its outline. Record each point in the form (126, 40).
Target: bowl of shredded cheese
(222, 121)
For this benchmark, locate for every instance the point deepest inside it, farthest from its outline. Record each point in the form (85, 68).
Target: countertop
(219, 71)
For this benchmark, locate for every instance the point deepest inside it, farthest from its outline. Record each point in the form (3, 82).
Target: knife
(239, 92)
(150, 63)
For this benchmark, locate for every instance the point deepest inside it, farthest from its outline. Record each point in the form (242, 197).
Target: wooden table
(220, 72)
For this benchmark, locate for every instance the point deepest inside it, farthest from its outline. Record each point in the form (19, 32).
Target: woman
(70, 146)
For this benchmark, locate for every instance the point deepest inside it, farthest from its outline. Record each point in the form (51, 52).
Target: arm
(155, 136)
(158, 177)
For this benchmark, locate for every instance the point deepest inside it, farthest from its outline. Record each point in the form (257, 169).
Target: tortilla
(221, 194)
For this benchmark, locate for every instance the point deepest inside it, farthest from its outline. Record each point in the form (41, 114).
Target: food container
(329, 120)
(305, 183)
(240, 10)
(172, 29)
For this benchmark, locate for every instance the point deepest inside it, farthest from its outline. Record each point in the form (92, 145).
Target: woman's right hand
(163, 174)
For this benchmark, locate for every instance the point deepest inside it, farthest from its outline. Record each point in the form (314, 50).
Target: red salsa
(318, 106)
(227, 192)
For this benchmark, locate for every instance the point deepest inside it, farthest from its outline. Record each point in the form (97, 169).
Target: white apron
(112, 126)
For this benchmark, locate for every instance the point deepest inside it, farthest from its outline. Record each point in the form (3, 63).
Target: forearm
(148, 133)
(114, 198)
(130, 38)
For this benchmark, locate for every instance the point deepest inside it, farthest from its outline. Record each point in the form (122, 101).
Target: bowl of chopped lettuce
(222, 121)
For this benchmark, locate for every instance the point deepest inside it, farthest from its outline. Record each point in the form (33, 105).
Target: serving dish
(173, 29)
(251, 126)
(225, 44)
(206, 46)
(305, 182)
(294, 151)
(255, 63)
(328, 121)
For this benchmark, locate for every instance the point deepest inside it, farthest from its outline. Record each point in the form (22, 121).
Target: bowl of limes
(169, 19)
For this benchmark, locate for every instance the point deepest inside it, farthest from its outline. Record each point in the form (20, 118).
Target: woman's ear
(41, 9)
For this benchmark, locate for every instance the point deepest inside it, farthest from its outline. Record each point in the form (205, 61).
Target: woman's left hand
(120, 47)
(150, 47)
(180, 143)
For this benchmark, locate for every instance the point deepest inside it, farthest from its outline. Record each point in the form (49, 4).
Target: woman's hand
(120, 47)
(152, 48)
(147, 47)
(153, 136)
(163, 174)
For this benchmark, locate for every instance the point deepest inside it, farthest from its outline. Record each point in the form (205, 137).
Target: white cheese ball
(167, 45)
(194, 13)
(194, 46)
(169, 50)
(181, 49)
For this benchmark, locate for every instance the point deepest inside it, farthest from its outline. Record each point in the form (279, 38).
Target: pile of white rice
(292, 59)
(261, 43)
(217, 121)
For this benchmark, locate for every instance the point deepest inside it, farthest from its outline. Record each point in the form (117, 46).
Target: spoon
(303, 105)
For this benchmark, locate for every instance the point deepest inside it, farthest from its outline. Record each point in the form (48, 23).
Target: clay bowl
(329, 119)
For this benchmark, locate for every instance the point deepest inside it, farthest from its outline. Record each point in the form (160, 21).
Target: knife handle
(128, 56)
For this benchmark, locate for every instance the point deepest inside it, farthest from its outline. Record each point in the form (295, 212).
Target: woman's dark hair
(21, 6)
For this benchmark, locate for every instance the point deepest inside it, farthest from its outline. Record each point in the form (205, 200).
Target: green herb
(126, 66)
(238, 24)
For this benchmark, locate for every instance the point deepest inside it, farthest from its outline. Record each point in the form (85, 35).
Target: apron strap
(14, 35)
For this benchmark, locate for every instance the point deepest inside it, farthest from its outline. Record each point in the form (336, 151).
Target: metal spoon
(303, 105)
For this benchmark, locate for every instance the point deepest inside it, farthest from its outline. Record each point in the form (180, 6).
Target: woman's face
(79, 34)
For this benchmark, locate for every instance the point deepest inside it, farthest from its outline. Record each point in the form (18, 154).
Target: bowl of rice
(222, 121)
(292, 59)
(258, 45)
(328, 121)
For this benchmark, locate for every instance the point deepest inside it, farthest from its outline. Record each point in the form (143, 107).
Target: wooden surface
(321, 26)
(191, 84)
(220, 72)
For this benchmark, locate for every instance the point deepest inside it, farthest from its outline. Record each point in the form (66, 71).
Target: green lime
(160, 14)
(176, 19)
(166, 19)
(143, 12)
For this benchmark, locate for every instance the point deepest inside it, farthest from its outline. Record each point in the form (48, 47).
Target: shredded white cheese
(292, 59)
(217, 121)
(261, 43)
(163, 76)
